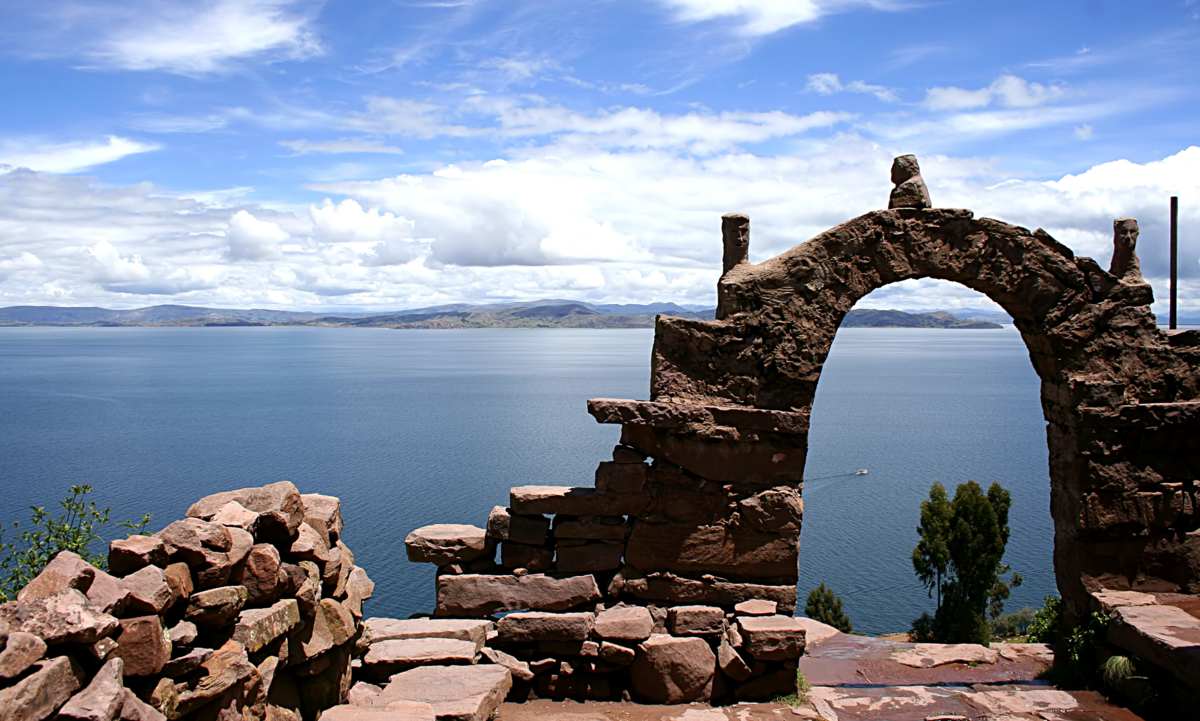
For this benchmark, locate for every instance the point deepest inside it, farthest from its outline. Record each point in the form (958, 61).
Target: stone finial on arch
(910, 190)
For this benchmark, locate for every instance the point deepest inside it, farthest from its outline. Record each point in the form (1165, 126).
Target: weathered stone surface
(225, 668)
(589, 557)
(503, 525)
(519, 669)
(531, 558)
(179, 579)
(126, 555)
(309, 545)
(103, 698)
(189, 537)
(1168, 636)
(731, 662)
(712, 549)
(327, 509)
(1109, 601)
(537, 626)
(216, 607)
(256, 627)
(188, 662)
(928, 655)
(39, 694)
(778, 510)
(613, 477)
(395, 711)
(363, 694)
(21, 651)
(674, 589)
(594, 528)
(446, 543)
(473, 595)
(695, 620)
(627, 454)
(756, 607)
(771, 638)
(533, 500)
(134, 709)
(234, 514)
(386, 658)
(457, 693)
(66, 570)
(312, 640)
(63, 617)
(815, 631)
(149, 591)
(100, 650)
(240, 543)
(673, 670)
(632, 623)
(260, 575)
(385, 629)
(108, 594)
(616, 654)
(144, 645)
(279, 506)
(358, 577)
(338, 620)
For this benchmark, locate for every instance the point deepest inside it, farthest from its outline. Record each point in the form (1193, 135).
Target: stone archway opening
(914, 406)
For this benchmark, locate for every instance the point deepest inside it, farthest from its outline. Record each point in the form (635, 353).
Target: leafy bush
(46, 536)
(824, 606)
(1044, 627)
(1013, 624)
(922, 629)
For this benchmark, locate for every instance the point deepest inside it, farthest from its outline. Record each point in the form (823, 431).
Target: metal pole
(1174, 257)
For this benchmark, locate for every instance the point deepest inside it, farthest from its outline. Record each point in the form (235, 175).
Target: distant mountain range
(548, 313)
(871, 318)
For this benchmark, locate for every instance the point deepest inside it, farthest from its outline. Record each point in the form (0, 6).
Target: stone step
(1166, 635)
(456, 693)
(385, 658)
(463, 629)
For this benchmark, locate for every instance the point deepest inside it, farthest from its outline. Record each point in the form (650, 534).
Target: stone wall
(655, 573)
(249, 608)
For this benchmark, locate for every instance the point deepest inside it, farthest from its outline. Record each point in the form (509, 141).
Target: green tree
(824, 606)
(932, 556)
(974, 589)
(75, 530)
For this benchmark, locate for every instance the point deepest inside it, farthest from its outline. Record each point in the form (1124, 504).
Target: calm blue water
(418, 427)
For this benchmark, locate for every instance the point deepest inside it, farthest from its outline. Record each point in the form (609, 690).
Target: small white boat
(861, 472)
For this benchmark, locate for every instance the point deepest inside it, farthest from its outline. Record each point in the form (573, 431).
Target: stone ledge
(1168, 636)
(679, 415)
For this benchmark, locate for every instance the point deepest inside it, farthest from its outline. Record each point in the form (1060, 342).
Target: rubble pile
(248, 608)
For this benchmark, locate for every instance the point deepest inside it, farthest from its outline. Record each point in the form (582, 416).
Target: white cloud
(829, 83)
(763, 17)
(205, 37)
(1084, 132)
(39, 154)
(252, 239)
(111, 267)
(1008, 91)
(563, 220)
(341, 145)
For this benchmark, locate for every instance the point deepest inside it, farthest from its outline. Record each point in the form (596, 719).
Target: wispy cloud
(829, 84)
(39, 154)
(764, 17)
(341, 145)
(1008, 91)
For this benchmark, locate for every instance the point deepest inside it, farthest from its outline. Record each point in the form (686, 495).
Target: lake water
(416, 427)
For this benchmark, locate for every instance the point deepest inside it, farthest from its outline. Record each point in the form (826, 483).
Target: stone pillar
(735, 236)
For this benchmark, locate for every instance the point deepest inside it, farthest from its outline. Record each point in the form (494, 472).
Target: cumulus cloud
(560, 220)
(1008, 91)
(204, 37)
(252, 239)
(72, 157)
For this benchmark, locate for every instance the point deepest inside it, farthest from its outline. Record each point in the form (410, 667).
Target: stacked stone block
(631, 588)
(247, 608)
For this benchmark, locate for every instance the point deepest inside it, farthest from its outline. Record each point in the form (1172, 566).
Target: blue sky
(383, 155)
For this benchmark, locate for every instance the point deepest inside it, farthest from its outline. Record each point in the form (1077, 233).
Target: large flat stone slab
(389, 657)
(1168, 636)
(456, 693)
(396, 711)
(477, 595)
(447, 543)
(928, 655)
(534, 500)
(463, 629)
(954, 702)
(771, 638)
(537, 626)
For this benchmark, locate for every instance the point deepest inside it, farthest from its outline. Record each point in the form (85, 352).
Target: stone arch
(730, 398)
